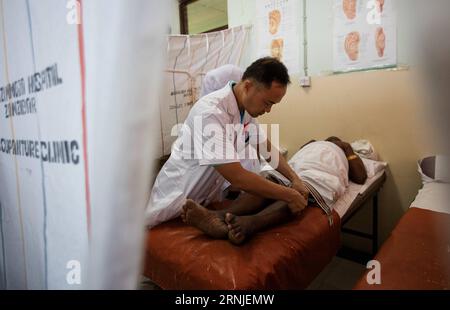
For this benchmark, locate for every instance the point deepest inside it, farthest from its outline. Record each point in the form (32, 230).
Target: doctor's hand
(297, 202)
(300, 187)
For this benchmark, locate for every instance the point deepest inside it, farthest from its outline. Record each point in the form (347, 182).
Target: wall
(385, 107)
(174, 14)
(243, 13)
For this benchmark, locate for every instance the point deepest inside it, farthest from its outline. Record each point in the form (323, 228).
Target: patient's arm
(356, 171)
(257, 185)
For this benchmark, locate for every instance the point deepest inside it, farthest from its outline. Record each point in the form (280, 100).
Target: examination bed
(417, 253)
(287, 256)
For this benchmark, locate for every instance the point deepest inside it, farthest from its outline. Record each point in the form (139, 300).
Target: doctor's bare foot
(207, 221)
(239, 227)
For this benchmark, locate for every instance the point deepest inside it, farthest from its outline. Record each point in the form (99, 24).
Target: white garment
(219, 77)
(364, 149)
(190, 172)
(322, 164)
(373, 166)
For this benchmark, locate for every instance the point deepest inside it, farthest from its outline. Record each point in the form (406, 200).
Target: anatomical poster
(364, 35)
(277, 30)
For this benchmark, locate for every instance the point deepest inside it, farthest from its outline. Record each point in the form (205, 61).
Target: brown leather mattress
(417, 253)
(287, 256)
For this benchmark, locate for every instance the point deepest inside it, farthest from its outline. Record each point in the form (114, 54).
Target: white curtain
(79, 139)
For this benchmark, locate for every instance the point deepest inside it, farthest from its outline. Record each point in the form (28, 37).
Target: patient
(249, 214)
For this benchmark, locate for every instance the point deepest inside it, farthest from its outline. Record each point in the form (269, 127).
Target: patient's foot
(207, 221)
(239, 227)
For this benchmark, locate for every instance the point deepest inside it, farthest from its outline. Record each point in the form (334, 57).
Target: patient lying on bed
(325, 165)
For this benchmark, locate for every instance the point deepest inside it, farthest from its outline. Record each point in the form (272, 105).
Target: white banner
(364, 35)
(76, 92)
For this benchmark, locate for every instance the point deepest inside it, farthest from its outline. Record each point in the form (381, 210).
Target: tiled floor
(340, 274)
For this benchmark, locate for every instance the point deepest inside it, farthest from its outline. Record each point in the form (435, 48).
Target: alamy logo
(374, 15)
(73, 17)
(73, 277)
(374, 275)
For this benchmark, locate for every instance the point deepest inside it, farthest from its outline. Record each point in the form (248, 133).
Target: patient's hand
(301, 188)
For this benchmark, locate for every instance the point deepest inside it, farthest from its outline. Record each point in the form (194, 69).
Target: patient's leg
(207, 221)
(212, 222)
(245, 204)
(241, 227)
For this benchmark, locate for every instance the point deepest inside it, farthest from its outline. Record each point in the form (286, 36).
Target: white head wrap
(219, 77)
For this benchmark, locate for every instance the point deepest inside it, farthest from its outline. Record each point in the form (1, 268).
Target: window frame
(184, 25)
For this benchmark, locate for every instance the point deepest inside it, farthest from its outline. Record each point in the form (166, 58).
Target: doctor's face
(259, 99)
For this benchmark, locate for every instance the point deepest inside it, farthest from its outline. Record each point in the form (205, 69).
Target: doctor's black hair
(266, 70)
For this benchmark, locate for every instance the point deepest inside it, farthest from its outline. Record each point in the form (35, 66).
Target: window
(199, 16)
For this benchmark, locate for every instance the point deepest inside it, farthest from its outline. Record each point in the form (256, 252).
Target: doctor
(215, 80)
(205, 155)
